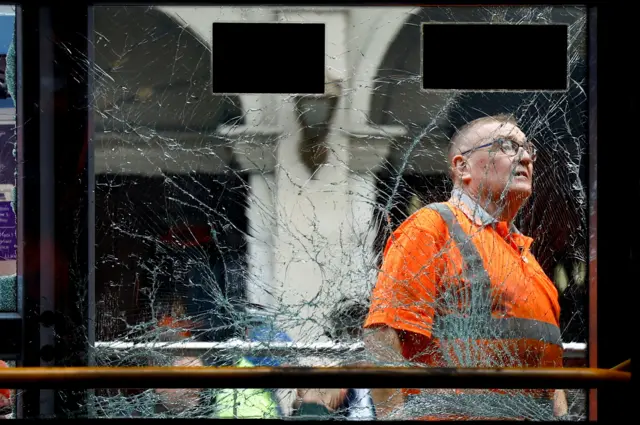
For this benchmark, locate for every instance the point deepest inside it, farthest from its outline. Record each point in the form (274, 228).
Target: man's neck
(501, 209)
(504, 211)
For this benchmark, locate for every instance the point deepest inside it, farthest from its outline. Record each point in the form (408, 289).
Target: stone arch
(153, 73)
(386, 24)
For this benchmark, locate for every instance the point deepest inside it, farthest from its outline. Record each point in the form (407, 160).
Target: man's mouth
(521, 174)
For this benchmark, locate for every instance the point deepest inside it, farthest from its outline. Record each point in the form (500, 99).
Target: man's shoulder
(428, 216)
(425, 220)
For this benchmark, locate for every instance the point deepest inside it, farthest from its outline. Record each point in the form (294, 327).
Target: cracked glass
(250, 229)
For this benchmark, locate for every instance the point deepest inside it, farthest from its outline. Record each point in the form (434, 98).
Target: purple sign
(8, 240)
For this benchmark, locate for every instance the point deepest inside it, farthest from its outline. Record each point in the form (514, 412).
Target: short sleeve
(404, 294)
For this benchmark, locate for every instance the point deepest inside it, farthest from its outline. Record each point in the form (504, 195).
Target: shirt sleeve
(404, 295)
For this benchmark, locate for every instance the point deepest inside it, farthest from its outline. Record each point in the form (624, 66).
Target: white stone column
(323, 249)
(260, 243)
(309, 252)
(253, 149)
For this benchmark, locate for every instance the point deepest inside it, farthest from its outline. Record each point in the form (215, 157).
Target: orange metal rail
(624, 366)
(295, 377)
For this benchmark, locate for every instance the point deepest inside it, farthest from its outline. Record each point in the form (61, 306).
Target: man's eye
(510, 145)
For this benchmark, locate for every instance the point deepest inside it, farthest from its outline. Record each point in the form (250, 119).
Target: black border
(616, 182)
(615, 197)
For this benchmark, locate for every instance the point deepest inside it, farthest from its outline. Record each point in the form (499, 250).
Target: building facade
(311, 237)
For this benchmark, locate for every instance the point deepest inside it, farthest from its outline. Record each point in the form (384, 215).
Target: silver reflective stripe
(475, 320)
(479, 302)
(455, 327)
(515, 404)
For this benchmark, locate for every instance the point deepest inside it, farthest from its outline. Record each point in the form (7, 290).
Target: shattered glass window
(249, 229)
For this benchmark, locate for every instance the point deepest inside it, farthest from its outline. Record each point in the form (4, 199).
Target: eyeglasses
(508, 147)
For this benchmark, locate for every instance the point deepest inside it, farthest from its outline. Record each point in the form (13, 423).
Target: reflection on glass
(213, 227)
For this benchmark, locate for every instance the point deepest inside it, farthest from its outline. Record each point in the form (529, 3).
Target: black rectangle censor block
(273, 58)
(481, 57)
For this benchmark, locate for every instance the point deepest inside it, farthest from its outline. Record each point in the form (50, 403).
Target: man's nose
(524, 157)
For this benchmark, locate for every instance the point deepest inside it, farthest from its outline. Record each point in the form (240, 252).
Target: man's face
(490, 171)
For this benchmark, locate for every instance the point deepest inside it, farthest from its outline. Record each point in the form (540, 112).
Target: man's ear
(459, 167)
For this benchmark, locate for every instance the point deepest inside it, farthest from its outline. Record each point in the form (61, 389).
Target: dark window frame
(72, 151)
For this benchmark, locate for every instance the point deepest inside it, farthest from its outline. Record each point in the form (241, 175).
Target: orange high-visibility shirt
(443, 313)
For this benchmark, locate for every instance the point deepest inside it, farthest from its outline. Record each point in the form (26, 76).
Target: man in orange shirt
(459, 287)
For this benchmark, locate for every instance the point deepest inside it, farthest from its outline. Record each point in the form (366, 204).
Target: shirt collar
(474, 211)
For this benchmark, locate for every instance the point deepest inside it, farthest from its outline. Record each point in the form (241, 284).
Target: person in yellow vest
(248, 403)
(253, 403)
